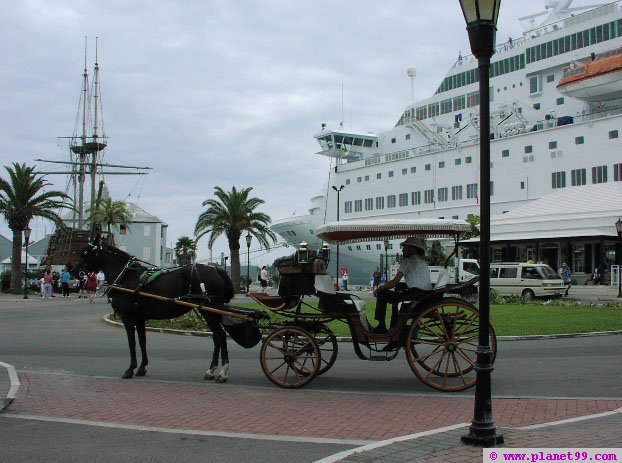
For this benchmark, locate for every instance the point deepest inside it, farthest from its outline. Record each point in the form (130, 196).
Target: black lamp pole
(26, 240)
(481, 19)
(248, 261)
(386, 259)
(619, 256)
(338, 190)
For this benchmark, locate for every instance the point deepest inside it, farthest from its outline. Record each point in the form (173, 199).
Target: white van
(526, 280)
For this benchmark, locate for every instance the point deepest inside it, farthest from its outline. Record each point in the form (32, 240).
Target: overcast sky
(219, 93)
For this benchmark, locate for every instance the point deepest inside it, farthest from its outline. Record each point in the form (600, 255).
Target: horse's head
(91, 257)
(101, 256)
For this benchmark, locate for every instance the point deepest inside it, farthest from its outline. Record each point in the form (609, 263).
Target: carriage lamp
(481, 20)
(248, 261)
(303, 253)
(619, 256)
(338, 190)
(27, 231)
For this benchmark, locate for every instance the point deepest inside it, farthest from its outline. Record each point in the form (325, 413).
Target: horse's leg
(142, 341)
(131, 341)
(211, 373)
(221, 339)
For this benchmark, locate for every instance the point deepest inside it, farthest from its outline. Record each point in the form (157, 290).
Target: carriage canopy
(354, 231)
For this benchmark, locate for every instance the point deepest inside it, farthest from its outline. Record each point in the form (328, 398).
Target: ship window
(471, 190)
(552, 145)
(492, 188)
(347, 207)
(369, 204)
(428, 196)
(413, 170)
(391, 201)
(558, 179)
(428, 166)
(443, 195)
(459, 103)
(467, 160)
(613, 134)
(359, 179)
(441, 165)
(403, 199)
(446, 106)
(457, 161)
(378, 176)
(560, 101)
(535, 84)
(505, 153)
(390, 173)
(404, 171)
(579, 140)
(358, 205)
(379, 202)
(550, 78)
(367, 178)
(522, 185)
(392, 140)
(599, 174)
(456, 192)
(617, 172)
(368, 143)
(347, 181)
(578, 177)
(415, 197)
(536, 106)
(407, 136)
(528, 149)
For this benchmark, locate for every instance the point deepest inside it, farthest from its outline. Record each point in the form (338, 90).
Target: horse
(199, 284)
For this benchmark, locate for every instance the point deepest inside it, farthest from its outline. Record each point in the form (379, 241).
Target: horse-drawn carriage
(438, 331)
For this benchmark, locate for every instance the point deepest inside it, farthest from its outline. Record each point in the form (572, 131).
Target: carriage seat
(331, 300)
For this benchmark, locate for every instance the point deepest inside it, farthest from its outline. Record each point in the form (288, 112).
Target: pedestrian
(81, 285)
(566, 274)
(344, 279)
(65, 276)
(263, 278)
(47, 284)
(376, 277)
(101, 281)
(91, 285)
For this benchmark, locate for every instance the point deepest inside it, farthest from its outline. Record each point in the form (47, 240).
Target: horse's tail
(228, 284)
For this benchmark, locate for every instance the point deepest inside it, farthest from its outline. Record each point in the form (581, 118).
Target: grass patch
(535, 318)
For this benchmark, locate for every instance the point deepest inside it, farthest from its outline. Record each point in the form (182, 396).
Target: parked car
(526, 280)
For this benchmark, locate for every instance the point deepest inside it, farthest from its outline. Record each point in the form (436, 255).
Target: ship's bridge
(345, 145)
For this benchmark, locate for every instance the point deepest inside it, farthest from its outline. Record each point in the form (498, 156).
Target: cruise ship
(555, 122)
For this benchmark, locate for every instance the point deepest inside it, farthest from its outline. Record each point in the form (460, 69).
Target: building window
(378, 176)
(369, 204)
(359, 179)
(558, 179)
(599, 174)
(456, 192)
(617, 172)
(393, 140)
(528, 149)
(347, 181)
(441, 165)
(407, 136)
(505, 153)
(146, 253)
(379, 202)
(471, 190)
(147, 230)
(613, 134)
(390, 173)
(404, 171)
(403, 199)
(457, 161)
(578, 177)
(428, 166)
(443, 195)
(428, 196)
(552, 145)
(358, 205)
(579, 140)
(413, 170)
(415, 197)
(390, 201)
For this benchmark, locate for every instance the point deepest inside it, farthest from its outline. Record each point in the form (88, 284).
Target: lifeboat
(599, 79)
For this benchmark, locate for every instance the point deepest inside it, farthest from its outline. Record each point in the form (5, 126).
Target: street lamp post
(481, 19)
(248, 261)
(26, 241)
(338, 190)
(386, 259)
(619, 256)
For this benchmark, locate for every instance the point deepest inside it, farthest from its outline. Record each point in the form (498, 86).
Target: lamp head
(619, 226)
(481, 19)
(248, 239)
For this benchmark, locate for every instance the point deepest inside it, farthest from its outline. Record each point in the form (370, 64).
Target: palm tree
(185, 250)
(22, 198)
(109, 212)
(231, 214)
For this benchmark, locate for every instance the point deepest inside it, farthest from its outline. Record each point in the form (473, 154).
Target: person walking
(47, 284)
(65, 276)
(101, 281)
(566, 275)
(91, 285)
(263, 278)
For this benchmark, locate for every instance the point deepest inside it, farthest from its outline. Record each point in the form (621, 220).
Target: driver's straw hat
(413, 241)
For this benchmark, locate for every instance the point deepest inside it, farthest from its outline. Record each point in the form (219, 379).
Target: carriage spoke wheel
(327, 343)
(442, 345)
(290, 357)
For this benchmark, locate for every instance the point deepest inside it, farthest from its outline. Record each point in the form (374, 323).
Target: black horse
(197, 284)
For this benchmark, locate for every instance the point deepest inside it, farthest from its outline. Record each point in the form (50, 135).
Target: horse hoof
(209, 376)
(129, 374)
(141, 372)
(221, 379)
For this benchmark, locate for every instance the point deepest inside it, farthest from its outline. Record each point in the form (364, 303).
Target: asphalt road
(71, 338)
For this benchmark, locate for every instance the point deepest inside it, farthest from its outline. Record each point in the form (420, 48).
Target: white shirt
(416, 272)
(101, 277)
(264, 274)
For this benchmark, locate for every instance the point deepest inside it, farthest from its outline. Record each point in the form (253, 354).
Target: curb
(14, 385)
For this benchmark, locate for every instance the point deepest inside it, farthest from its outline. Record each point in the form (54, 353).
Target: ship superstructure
(427, 165)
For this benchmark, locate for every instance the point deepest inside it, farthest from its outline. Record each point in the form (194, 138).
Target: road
(67, 341)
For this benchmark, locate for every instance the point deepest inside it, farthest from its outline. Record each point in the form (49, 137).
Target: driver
(416, 275)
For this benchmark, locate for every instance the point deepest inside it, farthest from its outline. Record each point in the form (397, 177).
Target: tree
(22, 198)
(473, 233)
(435, 254)
(231, 214)
(109, 212)
(185, 250)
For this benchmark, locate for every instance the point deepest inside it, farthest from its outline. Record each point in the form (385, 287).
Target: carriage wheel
(442, 343)
(327, 343)
(290, 357)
